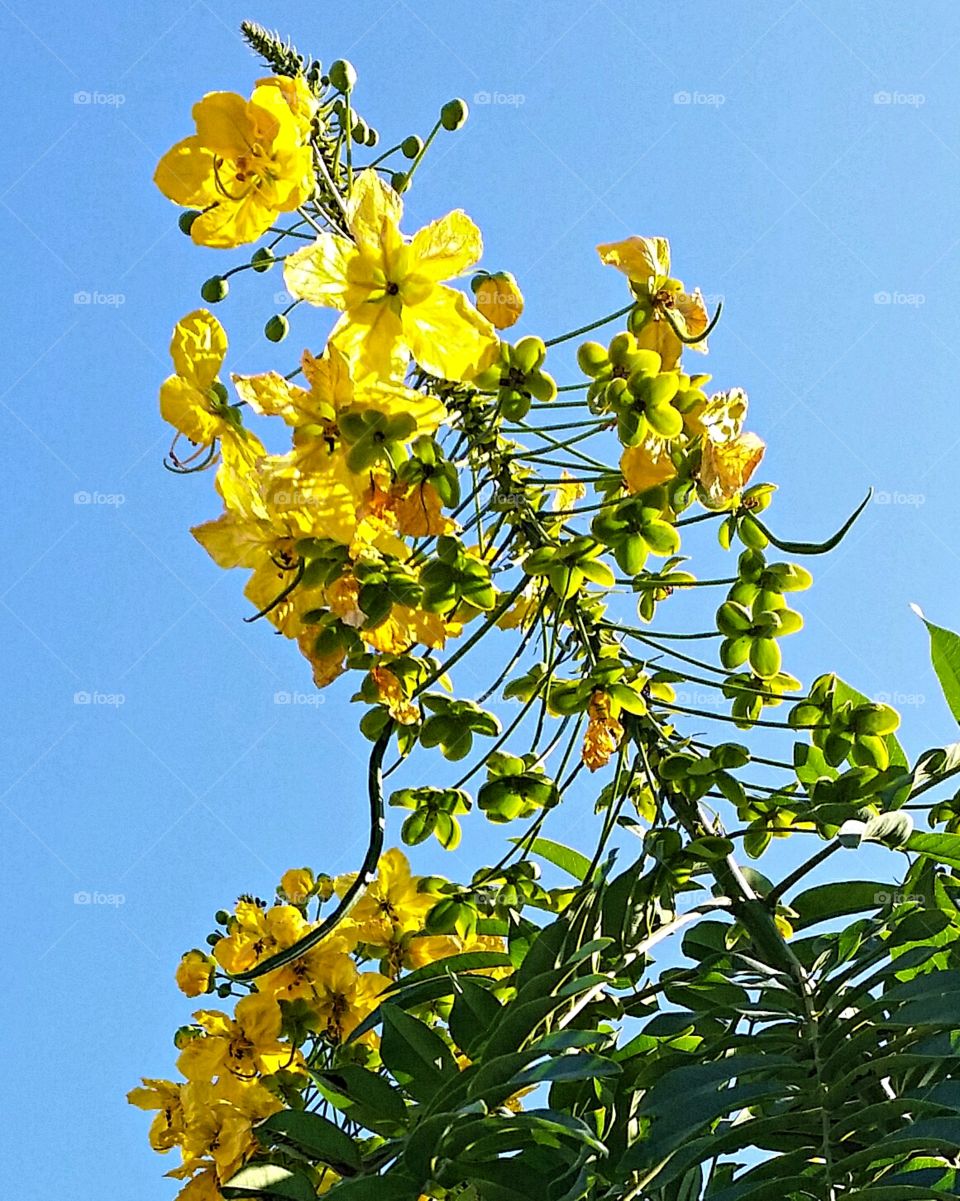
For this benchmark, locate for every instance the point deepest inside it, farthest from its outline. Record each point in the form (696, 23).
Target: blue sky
(803, 157)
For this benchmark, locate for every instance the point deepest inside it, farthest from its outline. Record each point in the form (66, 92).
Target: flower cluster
(239, 1068)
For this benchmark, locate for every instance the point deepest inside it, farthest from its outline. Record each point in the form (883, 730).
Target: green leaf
(314, 1134)
(475, 1012)
(944, 848)
(367, 1090)
(568, 860)
(375, 1188)
(566, 1067)
(840, 899)
(270, 1180)
(945, 656)
(409, 1047)
(469, 961)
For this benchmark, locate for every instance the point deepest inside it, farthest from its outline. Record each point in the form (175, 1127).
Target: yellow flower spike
(391, 291)
(499, 299)
(195, 973)
(647, 465)
(646, 263)
(248, 161)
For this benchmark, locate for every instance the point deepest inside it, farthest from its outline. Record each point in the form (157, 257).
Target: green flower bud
(399, 181)
(342, 75)
(277, 328)
(875, 719)
(453, 115)
(765, 657)
(410, 147)
(214, 289)
(592, 358)
(221, 917)
(262, 259)
(373, 137)
(186, 220)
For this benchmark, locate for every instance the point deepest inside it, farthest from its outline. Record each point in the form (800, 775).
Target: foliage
(398, 1037)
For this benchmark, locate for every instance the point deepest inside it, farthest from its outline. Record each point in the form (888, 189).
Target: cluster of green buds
(516, 787)
(755, 614)
(844, 730)
(742, 524)
(456, 577)
(518, 378)
(568, 566)
(374, 437)
(427, 465)
(634, 528)
(434, 811)
(694, 775)
(656, 586)
(453, 723)
(628, 381)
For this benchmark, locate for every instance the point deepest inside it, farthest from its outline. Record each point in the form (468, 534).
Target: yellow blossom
(203, 1187)
(248, 161)
(419, 511)
(167, 1128)
(195, 973)
(343, 997)
(647, 465)
(246, 1045)
(391, 904)
(604, 732)
(255, 934)
(390, 289)
(390, 693)
(499, 298)
(646, 263)
(219, 1123)
(729, 455)
(297, 885)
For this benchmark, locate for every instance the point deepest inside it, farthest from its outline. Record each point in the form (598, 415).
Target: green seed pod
(528, 354)
(342, 75)
(631, 554)
(214, 289)
(750, 533)
(875, 719)
(664, 420)
(186, 220)
(410, 147)
(638, 317)
(765, 658)
(734, 652)
(592, 358)
(661, 389)
(453, 115)
(622, 346)
(277, 328)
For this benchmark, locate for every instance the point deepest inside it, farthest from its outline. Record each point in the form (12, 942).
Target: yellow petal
(198, 347)
(371, 338)
(640, 259)
(270, 394)
(234, 223)
(185, 174)
(447, 247)
(222, 124)
(448, 337)
(232, 542)
(647, 465)
(373, 215)
(726, 467)
(319, 273)
(186, 410)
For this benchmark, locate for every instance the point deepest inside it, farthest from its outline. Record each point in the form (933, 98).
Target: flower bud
(499, 299)
(399, 181)
(214, 289)
(342, 75)
(592, 358)
(453, 115)
(297, 884)
(186, 220)
(277, 328)
(195, 973)
(410, 147)
(262, 259)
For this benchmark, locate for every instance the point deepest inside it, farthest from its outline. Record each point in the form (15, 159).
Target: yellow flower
(343, 998)
(392, 903)
(391, 291)
(499, 298)
(390, 693)
(255, 934)
(647, 465)
(646, 263)
(195, 402)
(203, 1187)
(298, 978)
(246, 1045)
(419, 511)
(248, 161)
(219, 1122)
(604, 732)
(729, 456)
(167, 1128)
(195, 973)
(428, 948)
(297, 884)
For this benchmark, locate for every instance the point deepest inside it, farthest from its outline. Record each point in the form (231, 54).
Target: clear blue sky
(786, 185)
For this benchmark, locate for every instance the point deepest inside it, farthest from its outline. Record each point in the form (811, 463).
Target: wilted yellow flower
(604, 732)
(729, 456)
(499, 298)
(248, 161)
(647, 465)
(646, 263)
(391, 291)
(390, 693)
(419, 511)
(195, 973)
